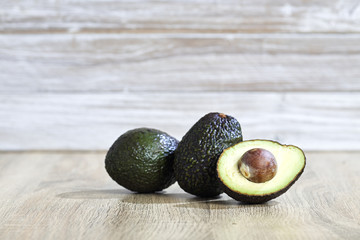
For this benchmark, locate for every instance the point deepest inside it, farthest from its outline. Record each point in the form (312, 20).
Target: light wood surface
(93, 121)
(68, 195)
(179, 62)
(341, 16)
(76, 74)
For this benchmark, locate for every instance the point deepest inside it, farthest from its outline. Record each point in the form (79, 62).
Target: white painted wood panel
(75, 74)
(313, 121)
(179, 62)
(180, 16)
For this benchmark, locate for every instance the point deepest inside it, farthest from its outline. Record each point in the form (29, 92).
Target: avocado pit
(258, 165)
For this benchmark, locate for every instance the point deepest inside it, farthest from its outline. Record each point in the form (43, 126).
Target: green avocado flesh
(141, 160)
(198, 152)
(290, 164)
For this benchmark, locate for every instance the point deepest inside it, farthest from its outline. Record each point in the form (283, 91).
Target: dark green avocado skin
(198, 151)
(141, 160)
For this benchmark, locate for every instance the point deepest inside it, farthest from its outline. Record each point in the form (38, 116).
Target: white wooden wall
(76, 74)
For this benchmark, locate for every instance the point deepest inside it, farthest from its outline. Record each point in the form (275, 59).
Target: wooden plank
(179, 62)
(180, 16)
(315, 121)
(70, 196)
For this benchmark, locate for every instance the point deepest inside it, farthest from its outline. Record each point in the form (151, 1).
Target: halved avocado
(290, 165)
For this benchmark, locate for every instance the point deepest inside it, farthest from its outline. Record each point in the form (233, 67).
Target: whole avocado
(141, 160)
(197, 153)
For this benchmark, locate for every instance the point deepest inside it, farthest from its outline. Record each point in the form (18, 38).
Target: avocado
(257, 171)
(198, 152)
(141, 160)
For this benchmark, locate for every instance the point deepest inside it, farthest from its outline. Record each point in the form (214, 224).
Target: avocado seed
(258, 165)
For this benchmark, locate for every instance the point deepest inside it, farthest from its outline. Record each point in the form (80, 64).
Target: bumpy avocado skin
(198, 151)
(141, 160)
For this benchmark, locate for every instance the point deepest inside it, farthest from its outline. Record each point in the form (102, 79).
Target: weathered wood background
(76, 74)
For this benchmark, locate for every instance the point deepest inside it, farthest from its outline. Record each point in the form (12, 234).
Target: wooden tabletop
(77, 74)
(68, 195)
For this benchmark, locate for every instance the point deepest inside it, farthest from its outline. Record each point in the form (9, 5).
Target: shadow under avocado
(127, 196)
(95, 194)
(223, 204)
(162, 197)
(180, 200)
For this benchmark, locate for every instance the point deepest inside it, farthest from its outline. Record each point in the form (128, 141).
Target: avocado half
(290, 165)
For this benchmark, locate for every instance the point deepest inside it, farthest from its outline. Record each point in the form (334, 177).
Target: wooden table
(68, 195)
(76, 74)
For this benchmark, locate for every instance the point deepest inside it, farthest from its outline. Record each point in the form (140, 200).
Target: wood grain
(70, 196)
(179, 63)
(180, 16)
(76, 74)
(327, 121)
